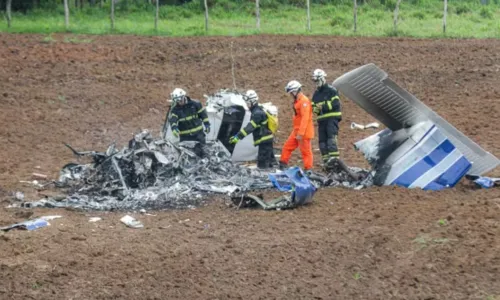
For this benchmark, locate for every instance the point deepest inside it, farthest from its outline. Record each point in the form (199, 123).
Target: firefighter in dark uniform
(188, 119)
(262, 135)
(326, 103)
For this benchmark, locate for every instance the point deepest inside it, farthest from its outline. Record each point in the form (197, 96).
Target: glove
(176, 132)
(207, 129)
(316, 110)
(235, 139)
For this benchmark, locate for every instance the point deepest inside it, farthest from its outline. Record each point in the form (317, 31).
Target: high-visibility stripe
(188, 118)
(254, 124)
(244, 132)
(334, 153)
(329, 105)
(174, 115)
(201, 110)
(264, 138)
(191, 130)
(335, 98)
(328, 115)
(174, 125)
(205, 120)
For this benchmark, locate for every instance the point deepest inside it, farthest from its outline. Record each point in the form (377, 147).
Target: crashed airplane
(418, 148)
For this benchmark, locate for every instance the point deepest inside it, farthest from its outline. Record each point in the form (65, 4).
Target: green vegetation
(417, 18)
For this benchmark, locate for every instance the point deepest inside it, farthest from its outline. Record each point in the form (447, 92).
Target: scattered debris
(292, 180)
(95, 219)
(19, 196)
(48, 218)
(34, 183)
(363, 127)
(484, 182)
(39, 176)
(27, 225)
(131, 222)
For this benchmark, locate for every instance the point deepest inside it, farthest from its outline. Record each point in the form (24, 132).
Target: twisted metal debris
(157, 174)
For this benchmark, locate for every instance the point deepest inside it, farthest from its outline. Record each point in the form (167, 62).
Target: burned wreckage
(159, 173)
(417, 149)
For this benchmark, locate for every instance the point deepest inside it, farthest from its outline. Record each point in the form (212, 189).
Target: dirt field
(378, 243)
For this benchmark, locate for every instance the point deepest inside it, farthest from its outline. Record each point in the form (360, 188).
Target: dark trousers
(328, 130)
(196, 137)
(265, 156)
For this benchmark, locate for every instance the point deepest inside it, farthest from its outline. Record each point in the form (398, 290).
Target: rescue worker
(186, 119)
(326, 105)
(262, 135)
(303, 129)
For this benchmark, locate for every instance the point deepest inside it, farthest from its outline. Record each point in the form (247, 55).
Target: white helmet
(178, 95)
(293, 87)
(319, 76)
(251, 97)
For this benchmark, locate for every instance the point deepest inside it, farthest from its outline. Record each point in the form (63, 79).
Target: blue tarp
(294, 180)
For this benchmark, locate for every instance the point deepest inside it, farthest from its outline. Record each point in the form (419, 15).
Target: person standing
(187, 119)
(303, 129)
(326, 105)
(262, 135)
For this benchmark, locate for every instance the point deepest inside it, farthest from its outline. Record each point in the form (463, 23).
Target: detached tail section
(419, 148)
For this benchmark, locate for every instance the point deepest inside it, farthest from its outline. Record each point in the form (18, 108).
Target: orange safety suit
(302, 126)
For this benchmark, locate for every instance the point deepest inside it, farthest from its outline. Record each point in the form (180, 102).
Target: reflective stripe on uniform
(334, 153)
(264, 138)
(205, 120)
(332, 114)
(188, 118)
(174, 115)
(201, 110)
(191, 130)
(254, 124)
(244, 132)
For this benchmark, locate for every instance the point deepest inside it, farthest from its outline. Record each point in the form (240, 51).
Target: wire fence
(207, 17)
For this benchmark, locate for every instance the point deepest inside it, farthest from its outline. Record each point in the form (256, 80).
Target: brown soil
(378, 243)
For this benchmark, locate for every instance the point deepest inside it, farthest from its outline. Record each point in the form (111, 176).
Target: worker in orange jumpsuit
(303, 128)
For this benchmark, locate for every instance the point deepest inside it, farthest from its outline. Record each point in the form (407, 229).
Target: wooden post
(8, 11)
(308, 4)
(257, 13)
(112, 15)
(157, 13)
(444, 15)
(66, 14)
(206, 15)
(396, 12)
(355, 15)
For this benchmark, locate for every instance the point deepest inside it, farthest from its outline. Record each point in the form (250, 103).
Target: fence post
(206, 15)
(355, 15)
(308, 15)
(444, 15)
(396, 12)
(257, 13)
(66, 14)
(8, 11)
(157, 13)
(112, 17)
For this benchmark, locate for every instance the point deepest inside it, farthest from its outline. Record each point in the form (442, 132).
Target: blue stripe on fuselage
(425, 164)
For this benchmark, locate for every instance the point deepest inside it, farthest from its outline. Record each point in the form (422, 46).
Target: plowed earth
(378, 243)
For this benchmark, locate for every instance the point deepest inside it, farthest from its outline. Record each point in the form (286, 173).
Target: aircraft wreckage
(158, 173)
(418, 149)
